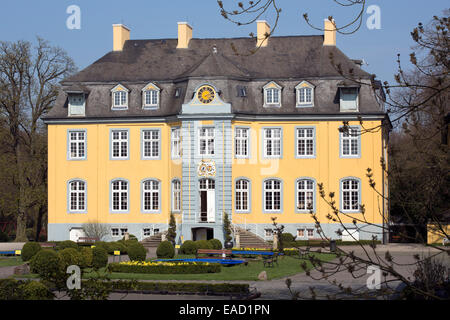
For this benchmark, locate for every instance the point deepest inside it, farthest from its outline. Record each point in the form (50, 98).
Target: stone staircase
(250, 240)
(153, 241)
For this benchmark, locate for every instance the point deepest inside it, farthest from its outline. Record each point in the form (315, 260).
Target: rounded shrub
(287, 237)
(35, 290)
(136, 252)
(99, 258)
(102, 244)
(29, 250)
(165, 250)
(203, 244)
(117, 246)
(215, 243)
(86, 257)
(68, 257)
(188, 247)
(67, 244)
(46, 263)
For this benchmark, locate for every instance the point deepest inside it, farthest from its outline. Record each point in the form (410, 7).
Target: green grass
(287, 266)
(10, 261)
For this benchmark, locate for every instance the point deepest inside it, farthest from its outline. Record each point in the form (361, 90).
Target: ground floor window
(300, 233)
(268, 233)
(147, 232)
(310, 232)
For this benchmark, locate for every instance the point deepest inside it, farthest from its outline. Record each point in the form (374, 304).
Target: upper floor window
(76, 144)
(305, 195)
(305, 94)
(150, 96)
(206, 141)
(242, 142)
(119, 196)
(242, 195)
(349, 99)
(119, 144)
(272, 196)
(176, 143)
(151, 144)
(272, 95)
(151, 196)
(77, 104)
(176, 195)
(350, 195)
(306, 142)
(272, 142)
(120, 97)
(77, 196)
(350, 144)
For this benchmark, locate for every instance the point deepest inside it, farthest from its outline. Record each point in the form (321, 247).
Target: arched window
(305, 195)
(119, 196)
(77, 196)
(350, 195)
(272, 195)
(242, 195)
(176, 195)
(151, 196)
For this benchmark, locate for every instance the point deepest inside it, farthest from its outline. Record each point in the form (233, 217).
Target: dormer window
(305, 94)
(349, 98)
(77, 103)
(272, 95)
(150, 96)
(119, 97)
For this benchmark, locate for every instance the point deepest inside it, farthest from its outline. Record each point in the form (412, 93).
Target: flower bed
(164, 267)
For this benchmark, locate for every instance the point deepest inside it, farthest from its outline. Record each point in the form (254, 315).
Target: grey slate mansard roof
(286, 60)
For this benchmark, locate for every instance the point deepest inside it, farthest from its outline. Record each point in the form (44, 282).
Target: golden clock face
(206, 94)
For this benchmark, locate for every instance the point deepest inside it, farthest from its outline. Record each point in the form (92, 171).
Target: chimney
(184, 35)
(329, 33)
(262, 28)
(121, 33)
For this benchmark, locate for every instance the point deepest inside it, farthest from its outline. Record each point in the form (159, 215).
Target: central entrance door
(207, 200)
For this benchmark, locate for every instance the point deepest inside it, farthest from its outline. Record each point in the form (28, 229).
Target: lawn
(10, 261)
(287, 266)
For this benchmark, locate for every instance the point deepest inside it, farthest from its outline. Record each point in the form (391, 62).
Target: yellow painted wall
(435, 235)
(327, 168)
(98, 170)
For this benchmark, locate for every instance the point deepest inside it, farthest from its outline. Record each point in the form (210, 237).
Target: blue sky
(150, 19)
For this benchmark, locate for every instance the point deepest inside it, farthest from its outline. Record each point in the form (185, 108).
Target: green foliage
(227, 227)
(287, 237)
(99, 258)
(188, 247)
(67, 244)
(203, 244)
(68, 257)
(3, 237)
(47, 264)
(29, 249)
(86, 257)
(136, 252)
(130, 237)
(35, 290)
(30, 233)
(165, 250)
(215, 243)
(102, 244)
(164, 269)
(118, 246)
(172, 231)
(9, 290)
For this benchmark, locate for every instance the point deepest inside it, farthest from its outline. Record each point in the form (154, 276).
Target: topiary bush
(102, 244)
(68, 257)
(118, 246)
(165, 250)
(47, 264)
(136, 252)
(203, 244)
(29, 250)
(34, 290)
(67, 244)
(86, 257)
(188, 247)
(215, 243)
(287, 237)
(99, 258)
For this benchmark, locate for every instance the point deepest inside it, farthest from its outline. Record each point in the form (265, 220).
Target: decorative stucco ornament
(206, 168)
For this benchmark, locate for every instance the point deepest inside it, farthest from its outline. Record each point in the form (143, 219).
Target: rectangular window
(150, 196)
(123, 231)
(350, 141)
(115, 232)
(77, 196)
(176, 195)
(206, 141)
(305, 195)
(119, 144)
(77, 145)
(176, 143)
(310, 232)
(272, 142)
(350, 195)
(305, 142)
(119, 196)
(300, 233)
(242, 142)
(150, 144)
(272, 96)
(349, 99)
(120, 100)
(147, 232)
(272, 195)
(268, 233)
(242, 195)
(151, 98)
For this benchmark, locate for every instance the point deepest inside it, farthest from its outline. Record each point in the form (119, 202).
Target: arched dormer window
(150, 96)
(272, 95)
(305, 94)
(119, 96)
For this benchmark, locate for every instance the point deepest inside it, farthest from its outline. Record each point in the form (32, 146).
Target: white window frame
(307, 141)
(301, 92)
(176, 142)
(207, 138)
(79, 144)
(118, 91)
(113, 232)
(273, 191)
(268, 233)
(150, 231)
(151, 96)
(76, 195)
(310, 233)
(152, 142)
(299, 235)
(241, 192)
(307, 187)
(176, 195)
(272, 90)
(155, 207)
(76, 109)
(350, 192)
(273, 142)
(353, 138)
(120, 141)
(119, 195)
(242, 142)
(342, 104)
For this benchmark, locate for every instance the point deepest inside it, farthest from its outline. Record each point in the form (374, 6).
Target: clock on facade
(206, 94)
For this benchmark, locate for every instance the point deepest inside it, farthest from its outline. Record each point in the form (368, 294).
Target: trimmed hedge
(165, 250)
(215, 243)
(70, 256)
(287, 237)
(137, 252)
(163, 268)
(326, 244)
(47, 264)
(99, 258)
(29, 249)
(203, 244)
(67, 244)
(86, 257)
(11, 289)
(188, 247)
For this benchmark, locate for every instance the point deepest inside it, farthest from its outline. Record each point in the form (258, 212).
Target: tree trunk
(40, 217)
(21, 227)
